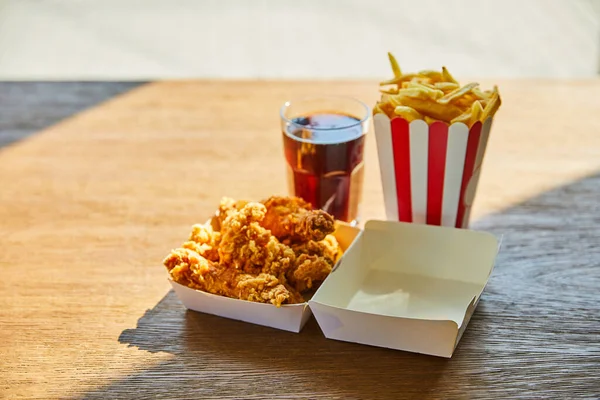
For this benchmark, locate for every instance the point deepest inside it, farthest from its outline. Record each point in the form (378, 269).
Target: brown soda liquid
(324, 152)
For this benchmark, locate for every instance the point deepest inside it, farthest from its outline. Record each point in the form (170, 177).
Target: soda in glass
(324, 139)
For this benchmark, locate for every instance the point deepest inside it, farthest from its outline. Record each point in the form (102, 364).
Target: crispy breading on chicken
(309, 270)
(227, 206)
(267, 252)
(293, 219)
(191, 269)
(279, 258)
(248, 246)
(314, 262)
(204, 240)
(328, 248)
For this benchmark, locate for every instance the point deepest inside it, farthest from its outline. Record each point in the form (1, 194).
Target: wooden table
(91, 205)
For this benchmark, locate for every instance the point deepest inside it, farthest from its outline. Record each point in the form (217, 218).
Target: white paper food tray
(406, 286)
(290, 317)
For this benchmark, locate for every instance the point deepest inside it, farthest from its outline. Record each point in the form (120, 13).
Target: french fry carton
(430, 173)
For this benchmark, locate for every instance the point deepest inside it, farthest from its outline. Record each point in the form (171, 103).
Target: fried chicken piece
(279, 258)
(309, 270)
(191, 269)
(227, 206)
(268, 253)
(314, 262)
(313, 225)
(204, 241)
(188, 268)
(293, 219)
(295, 296)
(328, 248)
(265, 288)
(248, 246)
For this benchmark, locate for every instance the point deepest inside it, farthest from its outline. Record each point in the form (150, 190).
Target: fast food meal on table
(435, 96)
(270, 251)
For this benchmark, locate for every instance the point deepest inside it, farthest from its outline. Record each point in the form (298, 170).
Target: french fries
(409, 114)
(435, 96)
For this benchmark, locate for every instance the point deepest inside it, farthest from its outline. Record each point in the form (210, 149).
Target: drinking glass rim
(288, 103)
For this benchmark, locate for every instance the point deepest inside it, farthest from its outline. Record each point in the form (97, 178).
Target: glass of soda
(324, 139)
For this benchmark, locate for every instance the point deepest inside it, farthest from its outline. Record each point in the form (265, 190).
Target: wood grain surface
(90, 206)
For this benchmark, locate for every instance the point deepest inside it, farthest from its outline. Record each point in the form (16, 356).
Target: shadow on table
(29, 107)
(213, 356)
(232, 355)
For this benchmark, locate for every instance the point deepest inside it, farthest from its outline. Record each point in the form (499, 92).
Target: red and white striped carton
(430, 173)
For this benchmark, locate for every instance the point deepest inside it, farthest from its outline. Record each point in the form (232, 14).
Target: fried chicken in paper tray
(268, 252)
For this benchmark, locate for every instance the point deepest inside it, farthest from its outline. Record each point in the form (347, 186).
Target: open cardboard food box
(398, 285)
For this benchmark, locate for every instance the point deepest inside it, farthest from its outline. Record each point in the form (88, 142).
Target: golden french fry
(471, 116)
(390, 90)
(398, 80)
(465, 102)
(476, 113)
(443, 112)
(395, 101)
(492, 106)
(480, 95)
(433, 75)
(496, 107)
(458, 93)
(388, 108)
(422, 92)
(377, 110)
(384, 108)
(430, 120)
(422, 85)
(410, 92)
(448, 76)
(446, 86)
(395, 67)
(464, 118)
(427, 88)
(415, 81)
(470, 97)
(408, 113)
(423, 80)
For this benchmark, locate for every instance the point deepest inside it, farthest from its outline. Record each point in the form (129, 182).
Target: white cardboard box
(406, 286)
(399, 285)
(291, 317)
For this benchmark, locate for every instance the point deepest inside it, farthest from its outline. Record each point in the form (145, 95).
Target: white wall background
(146, 39)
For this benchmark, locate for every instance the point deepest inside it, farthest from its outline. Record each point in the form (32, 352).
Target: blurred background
(269, 39)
